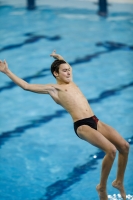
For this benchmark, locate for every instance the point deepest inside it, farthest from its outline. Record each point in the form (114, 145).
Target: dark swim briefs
(91, 121)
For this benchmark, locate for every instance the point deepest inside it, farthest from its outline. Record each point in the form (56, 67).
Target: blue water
(41, 157)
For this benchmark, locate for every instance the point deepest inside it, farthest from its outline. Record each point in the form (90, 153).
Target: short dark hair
(55, 66)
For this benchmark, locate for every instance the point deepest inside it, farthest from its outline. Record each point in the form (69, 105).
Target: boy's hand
(3, 66)
(56, 56)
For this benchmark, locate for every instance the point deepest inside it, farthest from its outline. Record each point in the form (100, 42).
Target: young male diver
(86, 125)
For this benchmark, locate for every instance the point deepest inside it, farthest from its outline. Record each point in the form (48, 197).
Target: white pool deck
(114, 5)
(62, 3)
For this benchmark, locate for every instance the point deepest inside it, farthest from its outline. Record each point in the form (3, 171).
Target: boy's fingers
(54, 52)
(53, 55)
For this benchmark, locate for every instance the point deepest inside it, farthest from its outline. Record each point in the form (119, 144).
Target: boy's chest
(70, 92)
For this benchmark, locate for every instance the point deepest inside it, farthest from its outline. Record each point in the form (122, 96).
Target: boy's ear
(55, 73)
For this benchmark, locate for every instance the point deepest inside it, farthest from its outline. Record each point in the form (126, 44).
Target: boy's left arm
(58, 57)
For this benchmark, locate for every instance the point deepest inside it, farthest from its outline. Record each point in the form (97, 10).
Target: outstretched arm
(42, 89)
(58, 57)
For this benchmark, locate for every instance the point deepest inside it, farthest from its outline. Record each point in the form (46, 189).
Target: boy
(86, 125)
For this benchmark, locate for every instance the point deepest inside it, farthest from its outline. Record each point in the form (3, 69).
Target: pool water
(41, 156)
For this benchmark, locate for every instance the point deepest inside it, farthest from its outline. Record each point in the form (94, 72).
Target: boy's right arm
(37, 88)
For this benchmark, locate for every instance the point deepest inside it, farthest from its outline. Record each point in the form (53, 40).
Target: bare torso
(71, 98)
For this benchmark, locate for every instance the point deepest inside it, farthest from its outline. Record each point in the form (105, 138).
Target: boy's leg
(97, 139)
(123, 148)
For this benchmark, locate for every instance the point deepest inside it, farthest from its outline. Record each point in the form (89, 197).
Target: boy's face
(65, 73)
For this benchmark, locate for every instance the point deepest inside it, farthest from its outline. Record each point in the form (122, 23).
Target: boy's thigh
(111, 134)
(94, 137)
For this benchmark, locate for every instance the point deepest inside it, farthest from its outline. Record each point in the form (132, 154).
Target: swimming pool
(41, 157)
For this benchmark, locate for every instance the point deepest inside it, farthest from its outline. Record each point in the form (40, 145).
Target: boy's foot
(102, 192)
(120, 187)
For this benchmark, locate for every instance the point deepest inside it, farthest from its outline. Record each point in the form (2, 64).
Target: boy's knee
(112, 152)
(125, 147)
